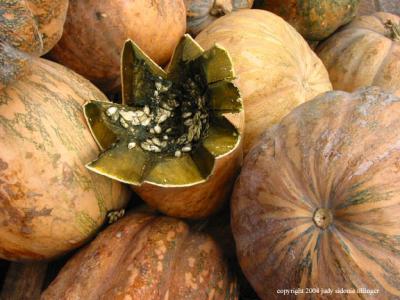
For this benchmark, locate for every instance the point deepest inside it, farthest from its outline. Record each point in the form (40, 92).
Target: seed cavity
(172, 118)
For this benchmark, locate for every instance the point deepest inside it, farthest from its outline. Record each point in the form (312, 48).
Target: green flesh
(170, 127)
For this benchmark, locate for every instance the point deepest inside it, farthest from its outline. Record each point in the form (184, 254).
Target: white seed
(165, 137)
(158, 85)
(162, 118)
(186, 115)
(123, 123)
(156, 141)
(155, 148)
(178, 153)
(188, 122)
(168, 130)
(111, 110)
(127, 115)
(145, 146)
(146, 110)
(163, 144)
(139, 113)
(186, 148)
(157, 129)
(152, 130)
(146, 122)
(166, 106)
(131, 145)
(135, 121)
(156, 93)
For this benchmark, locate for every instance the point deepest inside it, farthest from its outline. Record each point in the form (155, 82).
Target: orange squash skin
(143, 256)
(32, 26)
(338, 152)
(49, 202)
(364, 53)
(95, 32)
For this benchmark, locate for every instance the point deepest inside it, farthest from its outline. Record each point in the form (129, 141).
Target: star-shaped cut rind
(134, 165)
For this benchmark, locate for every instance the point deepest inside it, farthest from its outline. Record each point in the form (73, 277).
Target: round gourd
(143, 256)
(49, 202)
(95, 32)
(275, 68)
(366, 52)
(32, 26)
(315, 20)
(317, 204)
(200, 13)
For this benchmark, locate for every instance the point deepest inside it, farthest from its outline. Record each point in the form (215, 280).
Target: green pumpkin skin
(314, 19)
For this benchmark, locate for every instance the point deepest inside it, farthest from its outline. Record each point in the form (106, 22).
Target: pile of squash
(200, 149)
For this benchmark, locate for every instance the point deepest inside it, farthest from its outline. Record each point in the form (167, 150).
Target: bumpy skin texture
(314, 19)
(95, 32)
(364, 53)
(32, 26)
(200, 13)
(339, 151)
(49, 202)
(146, 257)
(275, 68)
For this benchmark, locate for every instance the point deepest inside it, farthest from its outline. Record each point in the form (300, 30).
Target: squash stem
(394, 30)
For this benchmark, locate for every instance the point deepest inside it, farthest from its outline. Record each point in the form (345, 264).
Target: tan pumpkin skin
(201, 200)
(363, 54)
(143, 256)
(275, 68)
(32, 26)
(49, 202)
(200, 13)
(339, 152)
(95, 32)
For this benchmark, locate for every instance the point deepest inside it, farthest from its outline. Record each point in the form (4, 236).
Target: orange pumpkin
(366, 52)
(317, 204)
(32, 26)
(275, 68)
(49, 202)
(95, 32)
(143, 256)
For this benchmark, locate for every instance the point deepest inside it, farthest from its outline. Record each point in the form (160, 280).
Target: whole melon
(95, 32)
(275, 68)
(144, 256)
(49, 202)
(366, 52)
(317, 205)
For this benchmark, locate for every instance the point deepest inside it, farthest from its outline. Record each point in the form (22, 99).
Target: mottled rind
(275, 68)
(49, 202)
(339, 154)
(366, 52)
(314, 19)
(95, 32)
(201, 13)
(143, 256)
(13, 64)
(32, 26)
